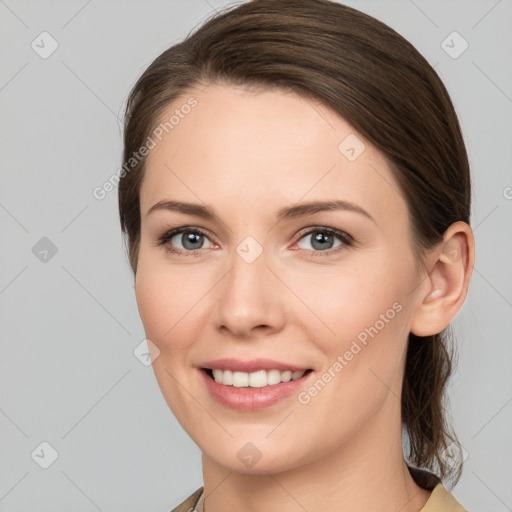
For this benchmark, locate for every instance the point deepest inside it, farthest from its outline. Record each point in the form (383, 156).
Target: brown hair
(376, 80)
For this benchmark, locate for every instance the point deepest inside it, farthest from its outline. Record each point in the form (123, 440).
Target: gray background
(69, 322)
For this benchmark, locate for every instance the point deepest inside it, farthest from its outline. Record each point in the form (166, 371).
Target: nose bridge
(248, 297)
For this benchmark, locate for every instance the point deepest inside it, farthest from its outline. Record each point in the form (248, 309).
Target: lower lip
(252, 399)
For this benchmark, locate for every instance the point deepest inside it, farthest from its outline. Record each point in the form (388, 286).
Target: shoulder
(189, 504)
(442, 501)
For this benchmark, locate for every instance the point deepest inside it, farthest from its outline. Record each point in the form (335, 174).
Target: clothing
(440, 500)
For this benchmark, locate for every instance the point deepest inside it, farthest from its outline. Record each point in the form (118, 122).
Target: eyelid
(338, 232)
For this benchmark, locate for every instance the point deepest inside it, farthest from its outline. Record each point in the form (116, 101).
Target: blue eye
(192, 240)
(323, 238)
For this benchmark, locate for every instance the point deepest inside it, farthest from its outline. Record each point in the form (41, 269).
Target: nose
(250, 300)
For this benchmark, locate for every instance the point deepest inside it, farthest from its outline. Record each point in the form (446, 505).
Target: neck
(366, 473)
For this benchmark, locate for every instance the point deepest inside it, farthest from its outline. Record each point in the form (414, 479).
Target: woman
(296, 200)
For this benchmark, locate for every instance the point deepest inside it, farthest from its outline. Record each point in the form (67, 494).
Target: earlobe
(446, 285)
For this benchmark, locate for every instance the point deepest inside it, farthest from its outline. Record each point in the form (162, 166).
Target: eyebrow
(290, 212)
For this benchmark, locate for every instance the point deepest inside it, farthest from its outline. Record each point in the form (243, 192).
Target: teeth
(257, 379)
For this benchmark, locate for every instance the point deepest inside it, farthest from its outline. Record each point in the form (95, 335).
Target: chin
(258, 457)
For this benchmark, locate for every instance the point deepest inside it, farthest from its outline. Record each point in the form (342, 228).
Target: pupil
(322, 238)
(191, 238)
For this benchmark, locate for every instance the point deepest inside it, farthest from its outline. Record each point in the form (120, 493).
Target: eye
(188, 241)
(191, 240)
(322, 240)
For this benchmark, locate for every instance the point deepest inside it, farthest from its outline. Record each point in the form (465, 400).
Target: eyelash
(344, 237)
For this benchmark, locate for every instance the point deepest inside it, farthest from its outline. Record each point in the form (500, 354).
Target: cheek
(348, 301)
(170, 300)
(364, 320)
(161, 303)
(363, 347)
(166, 309)
(152, 302)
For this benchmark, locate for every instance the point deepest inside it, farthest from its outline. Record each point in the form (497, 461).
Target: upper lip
(237, 365)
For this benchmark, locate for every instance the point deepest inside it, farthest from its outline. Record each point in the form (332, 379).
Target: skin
(246, 154)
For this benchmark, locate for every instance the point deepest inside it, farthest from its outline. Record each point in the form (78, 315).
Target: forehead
(250, 148)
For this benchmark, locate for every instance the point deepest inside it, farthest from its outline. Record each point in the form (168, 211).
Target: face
(330, 292)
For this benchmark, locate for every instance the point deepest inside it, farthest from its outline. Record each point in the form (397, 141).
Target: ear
(444, 289)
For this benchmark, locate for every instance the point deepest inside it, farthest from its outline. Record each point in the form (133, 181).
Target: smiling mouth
(257, 379)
